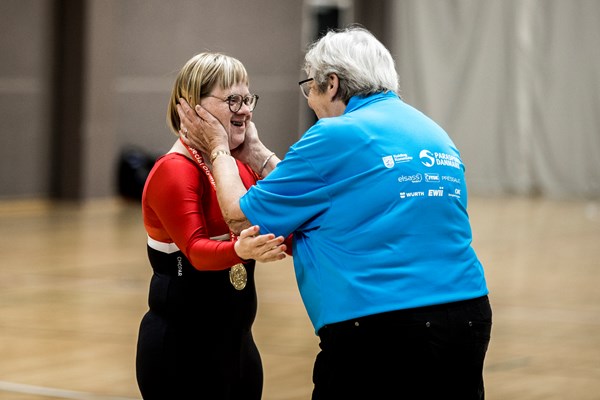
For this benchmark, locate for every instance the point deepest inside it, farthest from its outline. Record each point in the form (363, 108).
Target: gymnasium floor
(74, 280)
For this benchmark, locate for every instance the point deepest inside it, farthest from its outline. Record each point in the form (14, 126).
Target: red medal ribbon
(238, 277)
(196, 156)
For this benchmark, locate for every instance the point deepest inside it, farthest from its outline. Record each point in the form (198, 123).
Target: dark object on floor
(133, 169)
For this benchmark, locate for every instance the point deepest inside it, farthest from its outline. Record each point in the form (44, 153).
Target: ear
(333, 84)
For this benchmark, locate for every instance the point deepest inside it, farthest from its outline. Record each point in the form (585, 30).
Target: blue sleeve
(293, 197)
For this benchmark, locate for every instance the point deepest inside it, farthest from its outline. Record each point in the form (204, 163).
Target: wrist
(265, 163)
(218, 152)
(237, 250)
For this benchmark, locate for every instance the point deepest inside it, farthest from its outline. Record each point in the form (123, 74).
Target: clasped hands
(263, 248)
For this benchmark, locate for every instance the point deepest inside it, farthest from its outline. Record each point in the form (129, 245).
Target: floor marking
(53, 392)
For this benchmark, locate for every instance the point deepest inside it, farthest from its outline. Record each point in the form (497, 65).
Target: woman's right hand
(262, 248)
(201, 129)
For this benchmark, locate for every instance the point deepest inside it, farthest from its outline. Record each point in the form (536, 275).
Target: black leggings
(432, 353)
(174, 363)
(196, 340)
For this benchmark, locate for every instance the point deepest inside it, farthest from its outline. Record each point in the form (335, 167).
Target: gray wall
(131, 53)
(24, 96)
(514, 83)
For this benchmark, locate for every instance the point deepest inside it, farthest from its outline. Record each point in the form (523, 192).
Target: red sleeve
(177, 209)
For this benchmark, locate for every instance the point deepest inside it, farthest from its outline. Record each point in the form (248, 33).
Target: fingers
(276, 241)
(188, 119)
(268, 239)
(263, 248)
(182, 109)
(187, 115)
(183, 118)
(193, 115)
(248, 232)
(274, 254)
(183, 137)
(184, 102)
(185, 108)
(202, 112)
(271, 253)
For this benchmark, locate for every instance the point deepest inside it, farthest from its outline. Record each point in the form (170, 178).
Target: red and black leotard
(195, 340)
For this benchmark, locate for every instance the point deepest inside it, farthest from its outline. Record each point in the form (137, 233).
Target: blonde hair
(199, 76)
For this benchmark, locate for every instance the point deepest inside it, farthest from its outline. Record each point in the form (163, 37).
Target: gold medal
(238, 276)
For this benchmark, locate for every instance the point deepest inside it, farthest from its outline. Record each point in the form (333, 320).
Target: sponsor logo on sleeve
(416, 178)
(390, 161)
(429, 159)
(407, 195)
(455, 194)
(451, 179)
(434, 178)
(436, 192)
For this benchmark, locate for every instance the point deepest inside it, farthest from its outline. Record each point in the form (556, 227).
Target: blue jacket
(377, 202)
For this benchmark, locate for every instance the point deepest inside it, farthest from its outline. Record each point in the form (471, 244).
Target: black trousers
(195, 341)
(182, 363)
(434, 352)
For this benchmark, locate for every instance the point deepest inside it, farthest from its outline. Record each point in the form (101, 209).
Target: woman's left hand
(262, 248)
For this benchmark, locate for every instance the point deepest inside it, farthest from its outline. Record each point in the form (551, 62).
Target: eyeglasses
(235, 101)
(305, 87)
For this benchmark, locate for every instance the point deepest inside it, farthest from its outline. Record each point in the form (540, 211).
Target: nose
(244, 109)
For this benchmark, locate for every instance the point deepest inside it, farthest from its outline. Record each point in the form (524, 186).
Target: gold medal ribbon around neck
(237, 274)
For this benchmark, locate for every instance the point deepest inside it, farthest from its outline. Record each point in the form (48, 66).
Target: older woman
(196, 339)
(375, 196)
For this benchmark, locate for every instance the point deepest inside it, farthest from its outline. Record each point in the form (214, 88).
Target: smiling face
(208, 79)
(235, 123)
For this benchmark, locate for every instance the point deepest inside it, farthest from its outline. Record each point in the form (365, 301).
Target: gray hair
(362, 63)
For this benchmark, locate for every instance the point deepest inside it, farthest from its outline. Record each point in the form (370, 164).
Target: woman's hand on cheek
(200, 129)
(245, 151)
